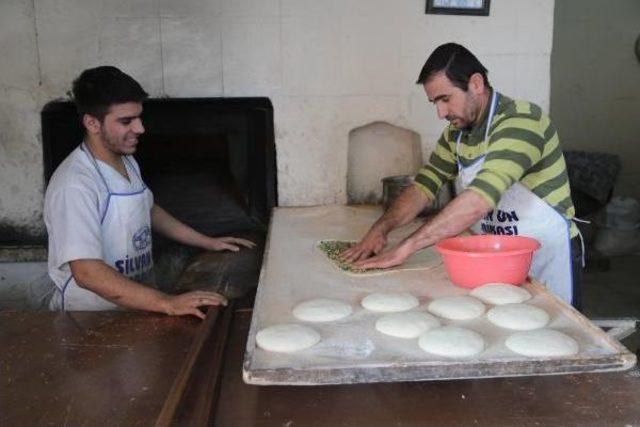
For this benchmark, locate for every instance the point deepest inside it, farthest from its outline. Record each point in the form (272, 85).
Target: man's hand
(396, 256)
(227, 244)
(403, 210)
(102, 279)
(462, 212)
(189, 303)
(371, 244)
(170, 227)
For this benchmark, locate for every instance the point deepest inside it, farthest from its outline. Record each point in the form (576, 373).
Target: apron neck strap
(84, 147)
(492, 111)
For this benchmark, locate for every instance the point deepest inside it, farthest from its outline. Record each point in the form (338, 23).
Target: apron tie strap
(582, 247)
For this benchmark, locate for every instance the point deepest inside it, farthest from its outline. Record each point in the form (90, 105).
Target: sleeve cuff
(485, 195)
(425, 190)
(67, 258)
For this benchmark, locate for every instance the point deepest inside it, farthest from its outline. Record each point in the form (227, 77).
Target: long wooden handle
(177, 390)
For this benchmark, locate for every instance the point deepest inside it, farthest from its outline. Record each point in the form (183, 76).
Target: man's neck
(100, 152)
(485, 100)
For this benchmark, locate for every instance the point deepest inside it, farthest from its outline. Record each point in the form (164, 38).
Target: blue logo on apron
(142, 238)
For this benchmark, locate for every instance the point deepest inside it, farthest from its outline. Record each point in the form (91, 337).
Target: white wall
(595, 96)
(328, 67)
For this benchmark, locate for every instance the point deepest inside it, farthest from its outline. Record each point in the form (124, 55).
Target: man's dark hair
(458, 64)
(97, 89)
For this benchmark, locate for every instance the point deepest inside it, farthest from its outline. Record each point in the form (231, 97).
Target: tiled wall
(328, 66)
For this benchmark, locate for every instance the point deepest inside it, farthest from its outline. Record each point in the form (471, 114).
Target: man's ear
(476, 83)
(91, 123)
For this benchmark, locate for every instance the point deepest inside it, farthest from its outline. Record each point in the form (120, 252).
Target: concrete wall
(595, 82)
(328, 66)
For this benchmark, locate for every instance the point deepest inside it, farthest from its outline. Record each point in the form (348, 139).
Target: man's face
(460, 108)
(121, 127)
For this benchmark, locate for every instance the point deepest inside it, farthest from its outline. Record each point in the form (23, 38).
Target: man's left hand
(228, 244)
(391, 258)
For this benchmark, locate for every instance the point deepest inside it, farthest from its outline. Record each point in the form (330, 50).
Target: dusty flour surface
(294, 270)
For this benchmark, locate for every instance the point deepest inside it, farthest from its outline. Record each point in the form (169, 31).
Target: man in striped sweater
(509, 171)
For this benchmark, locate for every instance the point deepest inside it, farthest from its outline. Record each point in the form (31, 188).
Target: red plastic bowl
(473, 261)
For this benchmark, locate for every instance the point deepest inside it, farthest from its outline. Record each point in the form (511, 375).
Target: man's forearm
(460, 214)
(164, 223)
(403, 210)
(98, 277)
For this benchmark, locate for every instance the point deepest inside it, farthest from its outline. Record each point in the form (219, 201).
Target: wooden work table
(118, 368)
(131, 368)
(88, 368)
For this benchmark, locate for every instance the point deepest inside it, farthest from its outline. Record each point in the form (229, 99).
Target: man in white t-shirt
(99, 213)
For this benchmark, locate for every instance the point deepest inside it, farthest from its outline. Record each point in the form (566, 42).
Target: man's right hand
(189, 303)
(371, 244)
(404, 209)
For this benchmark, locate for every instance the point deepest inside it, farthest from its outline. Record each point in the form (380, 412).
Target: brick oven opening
(210, 162)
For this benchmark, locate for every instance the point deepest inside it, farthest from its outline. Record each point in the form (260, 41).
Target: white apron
(126, 244)
(521, 212)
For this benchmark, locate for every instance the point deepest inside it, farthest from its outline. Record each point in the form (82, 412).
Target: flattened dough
(500, 293)
(457, 308)
(409, 324)
(521, 317)
(424, 259)
(451, 341)
(322, 310)
(390, 302)
(287, 338)
(542, 343)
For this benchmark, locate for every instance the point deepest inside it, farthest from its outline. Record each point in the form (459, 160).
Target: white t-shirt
(74, 204)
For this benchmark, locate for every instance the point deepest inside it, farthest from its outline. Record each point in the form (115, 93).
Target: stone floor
(608, 293)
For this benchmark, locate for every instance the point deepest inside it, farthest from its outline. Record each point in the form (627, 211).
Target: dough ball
(451, 341)
(542, 343)
(390, 302)
(287, 338)
(500, 293)
(521, 317)
(457, 308)
(322, 310)
(406, 325)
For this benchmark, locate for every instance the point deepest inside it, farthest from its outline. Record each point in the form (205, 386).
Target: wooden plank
(197, 405)
(88, 368)
(176, 392)
(291, 274)
(233, 275)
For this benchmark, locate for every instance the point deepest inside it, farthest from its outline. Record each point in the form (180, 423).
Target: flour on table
(322, 310)
(500, 293)
(521, 317)
(451, 341)
(542, 343)
(390, 302)
(457, 308)
(287, 338)
(409, 324)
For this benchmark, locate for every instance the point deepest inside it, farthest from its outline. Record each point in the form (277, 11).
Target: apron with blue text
(126, 243)
(521, 212)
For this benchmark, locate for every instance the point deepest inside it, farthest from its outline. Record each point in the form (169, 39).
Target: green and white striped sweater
(523, 146)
